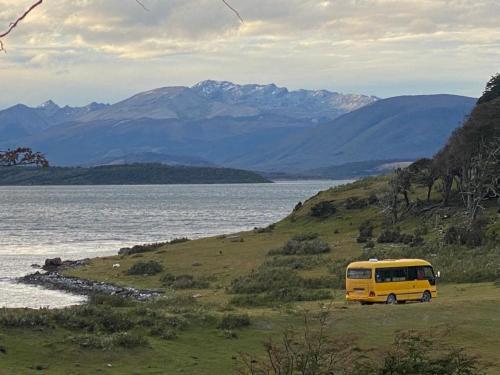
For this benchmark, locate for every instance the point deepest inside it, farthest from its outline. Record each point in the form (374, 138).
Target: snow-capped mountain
(318, 104)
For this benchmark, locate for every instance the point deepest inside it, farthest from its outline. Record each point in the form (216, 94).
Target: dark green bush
(27, 318)
(304, 247)
(456, 235)
(139, 249)
(232, 321)
(365, 231)
(323, 210)
(305, 237)
(149, 268)
(184, 282)
(266, 279)
(110, 300)
(356, 203)
(90, 318)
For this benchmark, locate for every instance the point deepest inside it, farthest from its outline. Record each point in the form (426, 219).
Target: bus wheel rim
(391, 299)
(426, 297)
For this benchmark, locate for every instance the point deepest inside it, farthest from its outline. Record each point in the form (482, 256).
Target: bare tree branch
(14, 24)
(234, 11)
(142, 5)
(22, 156)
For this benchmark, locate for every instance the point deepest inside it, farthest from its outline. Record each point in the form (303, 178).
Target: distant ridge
(133, 174)
(254, 127)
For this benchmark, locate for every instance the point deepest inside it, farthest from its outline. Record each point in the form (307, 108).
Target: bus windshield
(359, 273)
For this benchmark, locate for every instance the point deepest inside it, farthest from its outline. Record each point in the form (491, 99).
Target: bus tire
(391, 299)
(426, 297)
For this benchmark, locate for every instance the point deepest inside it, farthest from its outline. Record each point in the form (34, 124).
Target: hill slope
(406, 127)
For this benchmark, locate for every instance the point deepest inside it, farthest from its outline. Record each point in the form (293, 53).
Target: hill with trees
(128, 174)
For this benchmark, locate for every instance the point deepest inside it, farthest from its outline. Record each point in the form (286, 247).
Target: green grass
(464, 314)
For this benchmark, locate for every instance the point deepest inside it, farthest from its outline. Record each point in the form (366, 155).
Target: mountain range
(257, 127)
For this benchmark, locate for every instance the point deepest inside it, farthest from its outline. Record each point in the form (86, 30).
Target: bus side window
(420, 273)
(378, 276)
(412, 273)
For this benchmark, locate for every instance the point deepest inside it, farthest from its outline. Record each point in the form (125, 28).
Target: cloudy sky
(77, 51)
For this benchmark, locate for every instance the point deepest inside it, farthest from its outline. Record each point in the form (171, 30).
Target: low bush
(304, 247)
(305, 237)
(108, 342)
(139, 249)
(232, 321)
(184, 282)
(163, 332)
(365, 232)
(90, 318)
(178, 240)
(148, 268)
(356, 203)
(31, 319)
(456, 235)
(110, 300)
(323, 210)
(266, 279)
(294, 262)
(267, 229)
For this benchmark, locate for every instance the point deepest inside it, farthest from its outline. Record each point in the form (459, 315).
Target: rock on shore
(55, 281)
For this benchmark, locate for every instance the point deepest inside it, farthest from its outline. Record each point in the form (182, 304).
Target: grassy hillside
(228, 294)
(131, 174)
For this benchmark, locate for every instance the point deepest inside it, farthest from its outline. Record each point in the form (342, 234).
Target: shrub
(294, 247)
(149, 268)
(108, 342)
(299, 294)
(294, 262)
(139, 249)
(473, 237)
(31, 319)
(365, 231)
(370, 245)
(305, 237)
(232, 321)
(184, 282)
(323, 210)
(91, 318)
(179, 240)
(162, 332)
(356, 203)
(266, 279)
(110, 300)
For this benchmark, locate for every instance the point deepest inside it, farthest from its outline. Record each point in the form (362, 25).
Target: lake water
(76, 222)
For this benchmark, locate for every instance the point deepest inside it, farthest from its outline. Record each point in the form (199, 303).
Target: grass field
(465, 314)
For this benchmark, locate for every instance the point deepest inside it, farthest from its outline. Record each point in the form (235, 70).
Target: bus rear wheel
(391, 299)
(426, 297)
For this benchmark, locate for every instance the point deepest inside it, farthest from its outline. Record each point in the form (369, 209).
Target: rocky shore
(52, 279)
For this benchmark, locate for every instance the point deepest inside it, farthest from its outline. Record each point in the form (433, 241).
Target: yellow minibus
(390, 281)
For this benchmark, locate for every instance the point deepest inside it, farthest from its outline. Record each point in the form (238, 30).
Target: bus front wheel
(426, 297)
(391, 299)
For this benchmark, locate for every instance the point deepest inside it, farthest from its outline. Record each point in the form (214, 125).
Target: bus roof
(389, 263)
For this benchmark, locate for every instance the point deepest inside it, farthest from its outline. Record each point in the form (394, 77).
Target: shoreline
(53, 280)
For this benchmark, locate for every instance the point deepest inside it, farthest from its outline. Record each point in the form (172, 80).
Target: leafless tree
(22, 156)
(313, 352)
